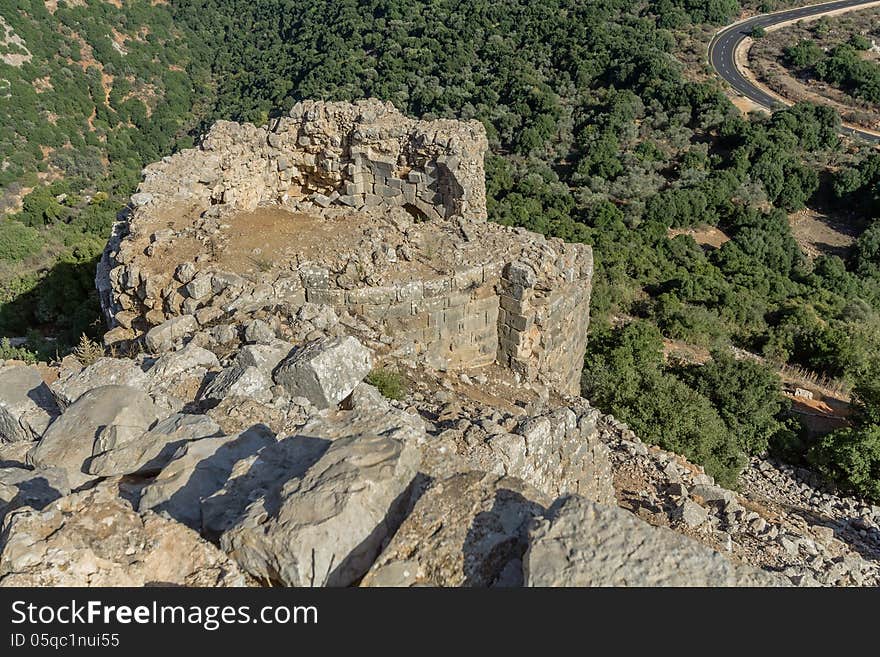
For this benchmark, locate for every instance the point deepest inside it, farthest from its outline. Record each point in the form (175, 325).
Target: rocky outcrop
(581, 543)
(26, 404)
(470, 529)
(326, 528)
(149, 452)
(198, 470)
(94, 538)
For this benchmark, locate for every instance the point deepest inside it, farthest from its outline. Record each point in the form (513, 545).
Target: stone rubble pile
(775, 521)
(357, 489)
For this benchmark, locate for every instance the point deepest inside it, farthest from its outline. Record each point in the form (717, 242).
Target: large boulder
(325, 371)
(198, 470)
(581, 543)
(101, 414)
(151, 451)
(257, 477)
(265, 473)
(326, 528)
(470, 529)
(94, 538)
(264, 356)
(103, 372)
(20, 487)
(26, 404)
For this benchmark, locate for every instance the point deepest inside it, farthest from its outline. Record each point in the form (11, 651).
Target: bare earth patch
(703, 235)
(820, 234)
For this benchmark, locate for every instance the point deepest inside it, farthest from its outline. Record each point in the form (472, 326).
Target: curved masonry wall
(496, 294)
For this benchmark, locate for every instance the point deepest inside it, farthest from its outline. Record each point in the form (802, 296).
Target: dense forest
(89, 93)
(598, 134)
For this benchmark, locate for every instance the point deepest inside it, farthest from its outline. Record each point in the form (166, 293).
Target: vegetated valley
(604, 128)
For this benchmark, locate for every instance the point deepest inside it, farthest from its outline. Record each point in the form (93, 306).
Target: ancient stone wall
(356, 155)
(356, 207)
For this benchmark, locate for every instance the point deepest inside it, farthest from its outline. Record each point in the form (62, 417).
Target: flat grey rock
(198, 470)
(26, 404)
(581, 543)
(149, 452)
(326, 528)
(70, 440)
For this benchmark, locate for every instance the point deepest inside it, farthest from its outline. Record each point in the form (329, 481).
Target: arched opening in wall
(415, 212)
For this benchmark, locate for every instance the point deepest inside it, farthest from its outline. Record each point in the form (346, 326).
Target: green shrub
(8, 352)
(850, 457)
(18, 241)
(391, 384)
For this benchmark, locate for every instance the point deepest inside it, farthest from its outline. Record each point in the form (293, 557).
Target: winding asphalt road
(722, 52)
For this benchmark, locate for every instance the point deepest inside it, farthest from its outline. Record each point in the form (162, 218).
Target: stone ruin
(243, 442)
(378, 215)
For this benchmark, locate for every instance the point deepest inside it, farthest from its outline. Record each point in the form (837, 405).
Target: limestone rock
(14, 455)
(237, 414)
(26, 404)
(30, 488)
(265, 357)
(466, 530)
(182, 362)
(239, 381)
(691, 514)
(162, 338)
(325, 371)
(151, 451)
(711, 493)
(103, 372)
(198, 470)
(326, 528)
(257, 476)
(94, 538)
(581, 543)
(69, 442)
(259, 332)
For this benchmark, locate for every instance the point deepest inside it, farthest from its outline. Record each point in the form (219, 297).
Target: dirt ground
(703, 235)
(821, 234)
